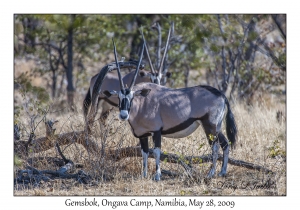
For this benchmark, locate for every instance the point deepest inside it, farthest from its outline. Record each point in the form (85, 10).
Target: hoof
(210, 174)
(144, 175)
(207, 180)
(157, 177)
(222, 174)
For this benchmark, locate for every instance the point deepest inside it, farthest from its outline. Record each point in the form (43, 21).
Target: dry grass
(262, 140)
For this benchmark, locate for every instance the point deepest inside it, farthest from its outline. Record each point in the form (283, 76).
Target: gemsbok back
(94, 98)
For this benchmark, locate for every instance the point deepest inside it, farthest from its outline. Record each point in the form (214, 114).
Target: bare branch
(147, 52)
(165, 52)
(158, 28)
(173, 158)
(278, 24)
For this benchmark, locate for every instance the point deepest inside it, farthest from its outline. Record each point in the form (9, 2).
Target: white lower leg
(156, 154)
(225, 161)
(145, 163)
(215, 149)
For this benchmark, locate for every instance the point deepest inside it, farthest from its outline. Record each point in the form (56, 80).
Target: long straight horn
(158, 28)
(147, 52)
(118, 67)
(165, 52)
(138, 67)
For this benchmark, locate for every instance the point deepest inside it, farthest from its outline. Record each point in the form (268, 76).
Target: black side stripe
(175, 129)
(180, 127)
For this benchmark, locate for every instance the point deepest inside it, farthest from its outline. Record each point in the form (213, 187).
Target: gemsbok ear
(168, 74)
(143, 92)
(110, 93)
(143, 73)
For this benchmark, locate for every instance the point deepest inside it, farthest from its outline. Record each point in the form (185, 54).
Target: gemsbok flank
(94, 98)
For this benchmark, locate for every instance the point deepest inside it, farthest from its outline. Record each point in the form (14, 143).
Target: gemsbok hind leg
(225, 147)
(210, 131)
(215, 149)
(216, 139)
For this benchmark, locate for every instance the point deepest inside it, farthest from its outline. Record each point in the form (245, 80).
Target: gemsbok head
(154, 110)
(94, 99)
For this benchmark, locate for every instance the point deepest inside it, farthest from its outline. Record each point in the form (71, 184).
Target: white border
(153, 6)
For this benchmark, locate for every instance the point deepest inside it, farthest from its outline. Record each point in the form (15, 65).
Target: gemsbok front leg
(156, 152)
(145, 154)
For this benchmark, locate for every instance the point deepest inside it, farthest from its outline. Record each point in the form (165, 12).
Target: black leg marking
(144, 144)
(145, 154)
(157, 139)
(209, 128)
(156, 153)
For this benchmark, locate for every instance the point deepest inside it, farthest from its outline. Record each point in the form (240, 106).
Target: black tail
(96, 90)
(231, 128)
(86, 104)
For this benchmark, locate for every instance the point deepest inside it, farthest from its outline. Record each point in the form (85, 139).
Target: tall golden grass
(261, 140)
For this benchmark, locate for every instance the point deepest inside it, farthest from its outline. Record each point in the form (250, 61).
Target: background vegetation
(242, 55)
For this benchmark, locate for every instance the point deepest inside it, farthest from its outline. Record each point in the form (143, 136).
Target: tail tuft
(231, 128)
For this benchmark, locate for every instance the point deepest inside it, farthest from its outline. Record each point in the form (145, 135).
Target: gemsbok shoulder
(95, 99)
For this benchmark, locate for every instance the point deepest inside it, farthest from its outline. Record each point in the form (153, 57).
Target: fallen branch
(43, 144)
(54, 161)
(173, 158)
(46, 143)
(34, 176)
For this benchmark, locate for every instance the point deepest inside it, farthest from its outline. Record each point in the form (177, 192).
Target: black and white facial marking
(125, 100)
(155, 77)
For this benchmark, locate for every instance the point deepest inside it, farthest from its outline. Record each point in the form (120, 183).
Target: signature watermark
(245, 185)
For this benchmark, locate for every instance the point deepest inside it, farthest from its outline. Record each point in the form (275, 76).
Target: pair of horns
(165, 51)
(119, 71)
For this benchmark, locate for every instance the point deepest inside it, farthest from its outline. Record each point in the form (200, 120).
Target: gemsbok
(94, 98)
(154, 110)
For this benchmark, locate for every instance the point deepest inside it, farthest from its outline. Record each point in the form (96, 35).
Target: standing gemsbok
(157, 111)
(94, 98)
